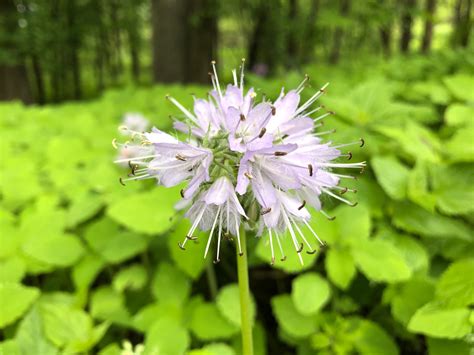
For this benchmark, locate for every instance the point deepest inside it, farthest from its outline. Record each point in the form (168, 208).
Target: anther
(349, 155)
(283, 259)
(213, 62)
(181, 246)
(241, 254)
(216, 261)
(248, 175)
(362, 142)
(274, 110)
(265, 211)
(180, 157)
(300, 249)
(242, 117)
(331, 112)
(273, 261)
(354, 204)
(280, 154)
(285, 136)
(310, 252)
(181, 192)
(262, 132)
(114, 143)
(191, 237)
(302, 205)
(310, 168)
(344, 191)
(362, 170)
(121, 182)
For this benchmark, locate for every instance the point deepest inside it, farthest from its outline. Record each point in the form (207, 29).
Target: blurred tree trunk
(184, 39)
(386, 39)
(408, 7)
(344, 7)
(307, 50)
(169, 40)
(74, 48)
(101, 48)
(13, 75)
(39, 79)
(292, 42)
(462, 23)
(428, 31)
(202, 39)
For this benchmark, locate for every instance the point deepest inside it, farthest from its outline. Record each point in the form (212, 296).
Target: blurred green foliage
(87, 263)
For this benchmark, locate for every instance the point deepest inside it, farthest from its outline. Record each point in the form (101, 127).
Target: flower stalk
(244, 292)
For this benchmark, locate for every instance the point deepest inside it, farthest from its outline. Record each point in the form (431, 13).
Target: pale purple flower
(240, 152)
(134, 121)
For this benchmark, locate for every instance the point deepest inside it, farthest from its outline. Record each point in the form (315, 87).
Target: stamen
(349, 155)
(271, 247)
(283, 256)
(234, 75)
(314, 233)
(302, 205)
(182, 108)
(262, 132)
(212, 231)
(213, 63)
(238, 235)
(319, 118)
(242, 67)
(265, 211)
(302, 84)
(242, 117)
(362, 142)
(180, 157)
(274, 110)
(292, 233)
(181, 246)
(219, 239)
(280, 154)
(300, 248)
(325, 132)
(181, 192)
(339, 198)
(191, 237)
(114, 143)
(121, 182)
(248, 175)
(310, 168)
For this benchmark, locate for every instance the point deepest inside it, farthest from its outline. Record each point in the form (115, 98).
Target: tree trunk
(428, 32)
(39, 80)
(74, 47)
(292, 43)
(307, 51)
(13, 75)
(169, 40)
(406, 25)
(339, 33)
(462, 23)
(386, 39)
(202, 40)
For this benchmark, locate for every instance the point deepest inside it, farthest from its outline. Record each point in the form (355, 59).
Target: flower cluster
(247, 162)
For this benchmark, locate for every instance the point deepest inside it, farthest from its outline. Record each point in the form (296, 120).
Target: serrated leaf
(113, 244)
(290, 320)
(166, 336)
(169, 285)
(380, 261)
(340, 267)
(16, 299)
(434, 320)
(148, 212)
(456, 284)
(207, 323)
(228, 303)
(310, 292)
(391, 175)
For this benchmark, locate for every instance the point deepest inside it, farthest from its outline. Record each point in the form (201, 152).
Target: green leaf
(459, 115)
(290, 320)
(228, 303)
(414, 219)
(213, 349)
(434, 320)
(12, 270)
(447, 347)
(359, 228)
(370, 338)
(169, 285)
(192, 260)
(107, 304)
(460, 85)
(149, 212)
(58, 250)
(30, 336)
(292, 262)
(166, 336)
(86, 270)
(9, 347)
(133, 277)
(409, 297)
(391, 175)
(456, 284)
(18, 298)
(310, 293)
(207, 323)
(418, 186)
(380, 261)
(146, 316)
(458, 147)
(340, 267)
(83, 208)
(74, 333)
(114, 245)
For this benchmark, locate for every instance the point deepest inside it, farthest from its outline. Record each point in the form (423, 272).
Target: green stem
(244, 290)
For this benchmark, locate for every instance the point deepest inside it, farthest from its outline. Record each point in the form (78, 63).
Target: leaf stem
(244, 291)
